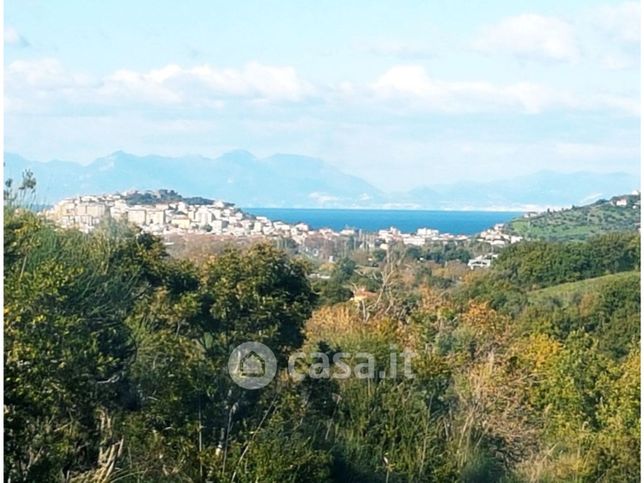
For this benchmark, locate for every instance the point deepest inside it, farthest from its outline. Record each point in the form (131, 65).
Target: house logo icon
(252, 365)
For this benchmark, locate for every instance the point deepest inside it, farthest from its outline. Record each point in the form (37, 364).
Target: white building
(156, 217)
(417, 241)
(138, 216)
(203, 216)
(218, 226)
(182, 222)
(427, 232)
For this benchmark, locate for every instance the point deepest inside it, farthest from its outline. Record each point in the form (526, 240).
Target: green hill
(620, 213)
(567, 293)
(608, 307)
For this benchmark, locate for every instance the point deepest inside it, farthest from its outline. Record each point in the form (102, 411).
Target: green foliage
(116, 364)
(21, 195)
(260, 292)
(66, 347)
(580, 223)
(608, 307)
(163, 196)
(107, 339)
(447, 252)
(541, 264)
(336, 288)
(332, 293)
(619, 417)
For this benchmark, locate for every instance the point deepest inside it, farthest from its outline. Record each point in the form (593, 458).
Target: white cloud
(135, 87)
(45, 74)
(411, 86)
(613, 102)
(175, 84)
(13, 38)
(530, 36)
(32, 84)
(411, 83)
(617, 60)
(621, 21)
(401, 50)
(45, 85)
(616, 35)
(37, 86)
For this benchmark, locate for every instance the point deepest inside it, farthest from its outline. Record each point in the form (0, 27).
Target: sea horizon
(457, 222)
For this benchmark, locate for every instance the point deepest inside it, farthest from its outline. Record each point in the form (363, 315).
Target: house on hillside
(482, 261)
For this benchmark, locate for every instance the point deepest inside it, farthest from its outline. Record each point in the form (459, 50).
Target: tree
(66, 347)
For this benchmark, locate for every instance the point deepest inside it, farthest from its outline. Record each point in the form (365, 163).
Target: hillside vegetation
(581, 222)
(569, 293)
(116, 364)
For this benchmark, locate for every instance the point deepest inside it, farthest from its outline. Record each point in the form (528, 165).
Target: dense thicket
(542, 264)
(116, 357)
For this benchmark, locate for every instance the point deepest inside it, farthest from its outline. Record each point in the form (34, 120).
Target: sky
(402, 94)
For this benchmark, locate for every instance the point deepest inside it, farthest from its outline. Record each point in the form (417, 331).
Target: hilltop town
(166, 213)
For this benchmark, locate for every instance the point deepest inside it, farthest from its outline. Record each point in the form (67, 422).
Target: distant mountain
(536, 191)
(288, 180)
(620, 213)
(282, 180)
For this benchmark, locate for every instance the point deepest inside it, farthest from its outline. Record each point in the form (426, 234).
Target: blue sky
(400, 93)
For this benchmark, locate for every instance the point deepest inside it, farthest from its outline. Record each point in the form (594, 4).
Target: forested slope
(620, 213)
(116, 365)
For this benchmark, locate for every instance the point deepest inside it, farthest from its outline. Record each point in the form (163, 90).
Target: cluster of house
(626, 201)
(419, 239)
(497, 238)
(217, 218)
(225, 219)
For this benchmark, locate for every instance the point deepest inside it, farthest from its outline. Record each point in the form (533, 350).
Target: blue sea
(407, 221)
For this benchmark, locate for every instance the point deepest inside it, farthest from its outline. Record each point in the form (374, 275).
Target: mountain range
(289, 180)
